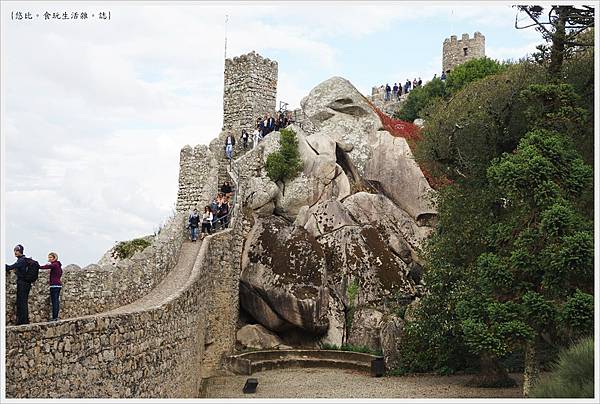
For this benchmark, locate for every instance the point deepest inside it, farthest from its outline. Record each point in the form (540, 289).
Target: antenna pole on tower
(226, 19)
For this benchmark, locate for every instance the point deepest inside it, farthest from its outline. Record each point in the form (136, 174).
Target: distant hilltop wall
(457, 51)
(250, 90)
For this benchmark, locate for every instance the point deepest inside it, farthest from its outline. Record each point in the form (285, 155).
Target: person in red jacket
(55, 268)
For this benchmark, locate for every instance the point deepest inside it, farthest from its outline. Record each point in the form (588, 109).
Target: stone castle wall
(149, 351)
(250, 90)
(96, 289)
(197, 178)
(157, 352)
(456, 51)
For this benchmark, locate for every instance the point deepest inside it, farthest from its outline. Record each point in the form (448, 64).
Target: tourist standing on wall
(244, 139)
(23, 286)
(395, 90)
(55, 268)
(255, 136)
(270, 123)
(207, 219)
(229, 143)
(420, 82)
(387, 92)
(443, 77)
(194, 221)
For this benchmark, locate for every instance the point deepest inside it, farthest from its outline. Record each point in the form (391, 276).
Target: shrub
(572, 376)
(471, 71)
(352, 348)
(420, 98)
(285, 163)
(126, 249)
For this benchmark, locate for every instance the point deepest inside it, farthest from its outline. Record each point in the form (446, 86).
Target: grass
(572, 375)
(126, 249)
(352, 348)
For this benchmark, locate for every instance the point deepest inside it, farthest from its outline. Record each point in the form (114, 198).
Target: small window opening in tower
(465, 50)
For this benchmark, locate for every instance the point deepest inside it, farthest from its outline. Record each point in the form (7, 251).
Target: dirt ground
(333, 383)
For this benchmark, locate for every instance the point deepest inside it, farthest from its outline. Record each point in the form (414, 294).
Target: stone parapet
(95, 289)
(457, 51)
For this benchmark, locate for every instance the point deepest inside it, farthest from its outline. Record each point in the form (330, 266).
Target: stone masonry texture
(456, 51)
(156, 324)
(250, 90)
(95, 289)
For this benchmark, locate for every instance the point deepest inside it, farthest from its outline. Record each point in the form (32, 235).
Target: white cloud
(96, 112)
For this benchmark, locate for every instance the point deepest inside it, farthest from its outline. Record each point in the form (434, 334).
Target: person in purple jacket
(55, 268)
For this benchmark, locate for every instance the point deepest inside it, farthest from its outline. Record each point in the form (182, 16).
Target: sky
(95, 111)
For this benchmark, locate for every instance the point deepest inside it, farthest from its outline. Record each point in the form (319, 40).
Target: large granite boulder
(390, 336)
(340, 112)
(283, 276)
(365, 328)
(255, 336)
(321, 178)
(393, 166)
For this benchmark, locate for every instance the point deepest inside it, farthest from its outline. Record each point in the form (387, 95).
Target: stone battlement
(250, 90)
(457, 51)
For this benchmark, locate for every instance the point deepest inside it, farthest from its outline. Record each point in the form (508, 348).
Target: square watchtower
(457, 51)
(249, 91)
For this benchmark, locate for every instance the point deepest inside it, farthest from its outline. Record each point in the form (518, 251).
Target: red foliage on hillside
(412, 134)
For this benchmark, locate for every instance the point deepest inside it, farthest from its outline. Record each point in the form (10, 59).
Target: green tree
(540, 250)
(485, 119)
(285, 163)
(565, 28)
(471, 71)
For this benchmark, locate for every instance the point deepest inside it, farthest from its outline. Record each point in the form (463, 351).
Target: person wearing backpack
(55, 268)
(27, 270)
(194, 223)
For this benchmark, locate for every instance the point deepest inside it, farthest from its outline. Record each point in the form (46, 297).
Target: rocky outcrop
(365, 328)
(255, 336)
(390, 335)
(283, 276)
(343, 245)
(341, 113)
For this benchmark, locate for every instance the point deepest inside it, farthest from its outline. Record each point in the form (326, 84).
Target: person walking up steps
(54, 276)
(207, 218)
(229, 143)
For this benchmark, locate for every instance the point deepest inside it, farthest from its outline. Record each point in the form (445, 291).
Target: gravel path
(332, 383)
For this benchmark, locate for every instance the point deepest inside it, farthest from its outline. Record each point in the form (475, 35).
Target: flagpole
(226, 19)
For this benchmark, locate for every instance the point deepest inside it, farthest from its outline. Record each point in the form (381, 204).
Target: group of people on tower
(264, 125)
(215, 215)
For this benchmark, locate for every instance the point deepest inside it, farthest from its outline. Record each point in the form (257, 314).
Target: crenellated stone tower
(457, 51)
(249, 90)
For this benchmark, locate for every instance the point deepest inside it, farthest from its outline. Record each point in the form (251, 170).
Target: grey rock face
(257, 337)
(282, 279)
(390, 335)
(365, 328)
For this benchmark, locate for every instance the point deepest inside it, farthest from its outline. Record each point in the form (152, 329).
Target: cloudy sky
(95, 111)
